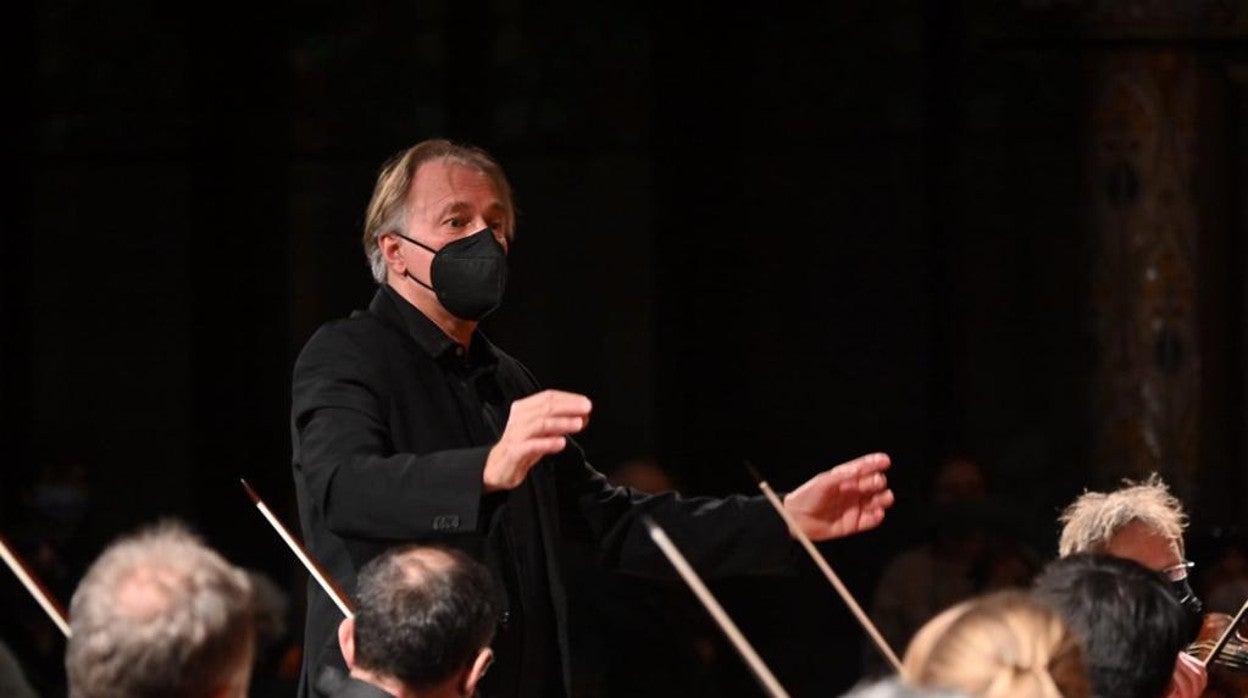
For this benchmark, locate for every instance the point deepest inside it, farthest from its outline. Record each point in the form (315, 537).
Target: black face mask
(1192, 606)
(468, 275)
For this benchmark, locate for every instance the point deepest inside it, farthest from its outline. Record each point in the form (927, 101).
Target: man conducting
(408, 425)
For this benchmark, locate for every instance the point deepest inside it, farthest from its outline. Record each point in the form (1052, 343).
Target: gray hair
(158, 614)
(386, 209)
(1092, 520)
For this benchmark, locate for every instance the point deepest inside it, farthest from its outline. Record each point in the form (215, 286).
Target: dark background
(792, 235)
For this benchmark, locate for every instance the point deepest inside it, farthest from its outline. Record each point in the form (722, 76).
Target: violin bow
(761, 672)
(1225, 636)
(37, 590)
(321, 577)
(823, 565)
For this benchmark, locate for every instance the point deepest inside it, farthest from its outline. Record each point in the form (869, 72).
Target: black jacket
(388, 448)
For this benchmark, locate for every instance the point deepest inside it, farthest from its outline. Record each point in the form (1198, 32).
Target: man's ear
(390, 244)
(346, 641)
(483, 661)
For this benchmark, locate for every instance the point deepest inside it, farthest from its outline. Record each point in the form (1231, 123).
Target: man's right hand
(536, 428)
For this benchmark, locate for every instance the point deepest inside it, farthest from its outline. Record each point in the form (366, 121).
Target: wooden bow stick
(827, 571)
(314, 569)
(761, 672)
(27, 578)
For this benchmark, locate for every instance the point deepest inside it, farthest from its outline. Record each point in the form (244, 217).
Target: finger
(557, 426)
(883, 500)
(544, 446)
(870, 518)
(874, 482)
(859, 467)
(567, 404)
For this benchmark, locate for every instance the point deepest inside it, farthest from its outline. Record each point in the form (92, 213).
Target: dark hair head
(1131, 626)
(422, 614)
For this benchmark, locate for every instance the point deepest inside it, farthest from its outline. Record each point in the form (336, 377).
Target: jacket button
(445, 523)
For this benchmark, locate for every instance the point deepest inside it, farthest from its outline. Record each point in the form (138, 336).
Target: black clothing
(355, 688)
(391, 425)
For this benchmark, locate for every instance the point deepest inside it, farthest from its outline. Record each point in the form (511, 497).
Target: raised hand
(842, 501)
(536, 427)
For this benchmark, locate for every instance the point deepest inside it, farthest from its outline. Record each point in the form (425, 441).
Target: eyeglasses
(1178, 573)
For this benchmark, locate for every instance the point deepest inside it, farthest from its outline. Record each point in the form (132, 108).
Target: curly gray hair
(1094, 518)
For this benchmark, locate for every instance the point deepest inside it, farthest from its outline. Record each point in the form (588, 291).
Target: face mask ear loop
(414, 241)
(422, 245)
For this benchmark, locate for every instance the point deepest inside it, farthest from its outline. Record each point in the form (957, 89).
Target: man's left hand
(842, 501)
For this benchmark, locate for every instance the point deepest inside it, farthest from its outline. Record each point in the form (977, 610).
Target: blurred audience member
(970, 551)
(160, 615)
(1131, 626)
(1002, 645)
(423, 624)
(1224, 561)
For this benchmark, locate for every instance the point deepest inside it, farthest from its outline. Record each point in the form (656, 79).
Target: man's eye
(455, 222)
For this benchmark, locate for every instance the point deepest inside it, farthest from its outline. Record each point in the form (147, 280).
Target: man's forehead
(442, 184)
(1146, 545)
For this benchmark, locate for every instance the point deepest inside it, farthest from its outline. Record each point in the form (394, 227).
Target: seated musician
(159, 614)
(424, 620)
(1000, 645)
(1130, 625)
(1143, 522)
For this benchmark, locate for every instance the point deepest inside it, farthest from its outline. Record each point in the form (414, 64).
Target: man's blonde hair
(387, 209)
(1003, 645)
(1094, 518)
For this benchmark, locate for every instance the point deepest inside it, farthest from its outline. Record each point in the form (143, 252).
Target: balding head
(423, 616)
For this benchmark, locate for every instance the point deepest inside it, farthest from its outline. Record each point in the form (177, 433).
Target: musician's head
(1142, 521)
(1002, 645)
(1131, 626)
(159, 614)
(424, 620)
(893, 687)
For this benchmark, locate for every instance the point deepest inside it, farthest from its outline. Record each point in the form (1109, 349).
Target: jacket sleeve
(343, 449)
(731, 536)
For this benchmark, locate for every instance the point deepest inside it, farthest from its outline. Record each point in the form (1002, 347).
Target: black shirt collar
(427, 334)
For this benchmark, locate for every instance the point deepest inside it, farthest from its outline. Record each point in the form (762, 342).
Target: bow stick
(314, 569)
(761, 672)
(823, 565)
(1225, 636)
(27, 578)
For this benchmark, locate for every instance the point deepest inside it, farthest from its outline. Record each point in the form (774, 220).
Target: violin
(1228, 672)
